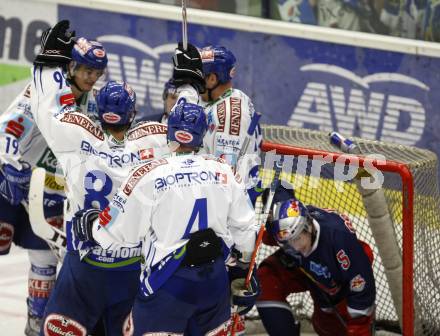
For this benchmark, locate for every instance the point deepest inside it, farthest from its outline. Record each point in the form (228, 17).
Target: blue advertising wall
(370, 93)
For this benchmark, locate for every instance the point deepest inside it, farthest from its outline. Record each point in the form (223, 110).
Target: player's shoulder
(331, 221)
(83, 121)
(237, 93)
(142, 171)
(146, 128)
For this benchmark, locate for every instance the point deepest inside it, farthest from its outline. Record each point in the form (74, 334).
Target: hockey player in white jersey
(229, 111)
(95, 158)
(209, 72)
(22, 147)
(190, 211)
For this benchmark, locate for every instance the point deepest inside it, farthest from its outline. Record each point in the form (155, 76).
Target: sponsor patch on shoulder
(84, 122)
(137, 175)
(357, 284)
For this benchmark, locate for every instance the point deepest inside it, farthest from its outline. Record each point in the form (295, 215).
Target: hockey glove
(14, 184)
(360, 326)
(188, 68)
(242, 297)
(82, 223)
(56, 45)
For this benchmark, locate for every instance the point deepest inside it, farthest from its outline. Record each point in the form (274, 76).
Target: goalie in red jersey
(319, 253)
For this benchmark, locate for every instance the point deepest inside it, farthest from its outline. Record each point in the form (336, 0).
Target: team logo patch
(183, 137)
(207, 55)
(6, 234)
(56, 324)
(146, 154)
(99, 53)
(15, 127)
(293, 210)
(111, 118)
(357, 284)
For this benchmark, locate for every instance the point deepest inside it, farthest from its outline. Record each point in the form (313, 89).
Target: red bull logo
(293, 210)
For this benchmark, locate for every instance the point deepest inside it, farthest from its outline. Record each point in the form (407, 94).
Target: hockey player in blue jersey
(190, 211)
(319, 253)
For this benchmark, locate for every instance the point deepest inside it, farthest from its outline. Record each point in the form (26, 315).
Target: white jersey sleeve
(188, 94)
(229, 118)
(55, 113)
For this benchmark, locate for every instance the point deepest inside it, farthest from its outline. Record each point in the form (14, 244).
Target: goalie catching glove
(82, 223)
(188, 68)
(56, 45)
(242, 297)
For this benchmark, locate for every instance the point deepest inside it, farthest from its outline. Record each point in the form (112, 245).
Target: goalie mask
(187, 125)
(220, 61)
(290, 218)
(116, 104)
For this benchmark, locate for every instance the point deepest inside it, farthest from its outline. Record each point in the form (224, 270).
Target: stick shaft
(184, 26)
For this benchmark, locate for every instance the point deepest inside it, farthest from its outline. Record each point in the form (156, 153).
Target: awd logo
(386, 114)
(146, 69)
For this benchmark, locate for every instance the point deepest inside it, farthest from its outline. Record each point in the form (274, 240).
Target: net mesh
(327, 191)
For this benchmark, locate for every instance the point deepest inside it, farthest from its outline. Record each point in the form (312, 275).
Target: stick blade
(36, 209)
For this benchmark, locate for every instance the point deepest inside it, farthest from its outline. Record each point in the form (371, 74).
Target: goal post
(399, 219)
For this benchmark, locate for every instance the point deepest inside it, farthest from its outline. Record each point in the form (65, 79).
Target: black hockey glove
(188, 68)
(243, 297)
(56, 45)
(82, 223)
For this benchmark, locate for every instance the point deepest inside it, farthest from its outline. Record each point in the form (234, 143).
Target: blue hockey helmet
(187, 125)
(89, 53)
(116, 103)
(220, 61)
(290, 218)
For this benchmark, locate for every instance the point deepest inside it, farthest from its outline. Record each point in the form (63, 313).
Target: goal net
(399, 218)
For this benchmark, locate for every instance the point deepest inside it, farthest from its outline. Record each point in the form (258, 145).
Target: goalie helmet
(187, 125)
(290, 218)
(116, 103)
(220, 61)
(89, 53)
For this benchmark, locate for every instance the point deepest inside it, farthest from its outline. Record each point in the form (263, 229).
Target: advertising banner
(374, 94)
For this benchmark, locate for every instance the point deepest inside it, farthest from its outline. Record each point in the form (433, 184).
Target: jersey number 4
(200, 211)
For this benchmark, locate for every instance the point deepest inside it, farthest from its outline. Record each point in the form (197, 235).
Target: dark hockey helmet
(220, 61)
(89, 53)
(290, 218)
(187, 125)
(116, 103)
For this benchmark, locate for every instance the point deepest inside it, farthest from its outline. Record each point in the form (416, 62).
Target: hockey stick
(250, 133)
(278, 165)
(184, 26)
(52, 235)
